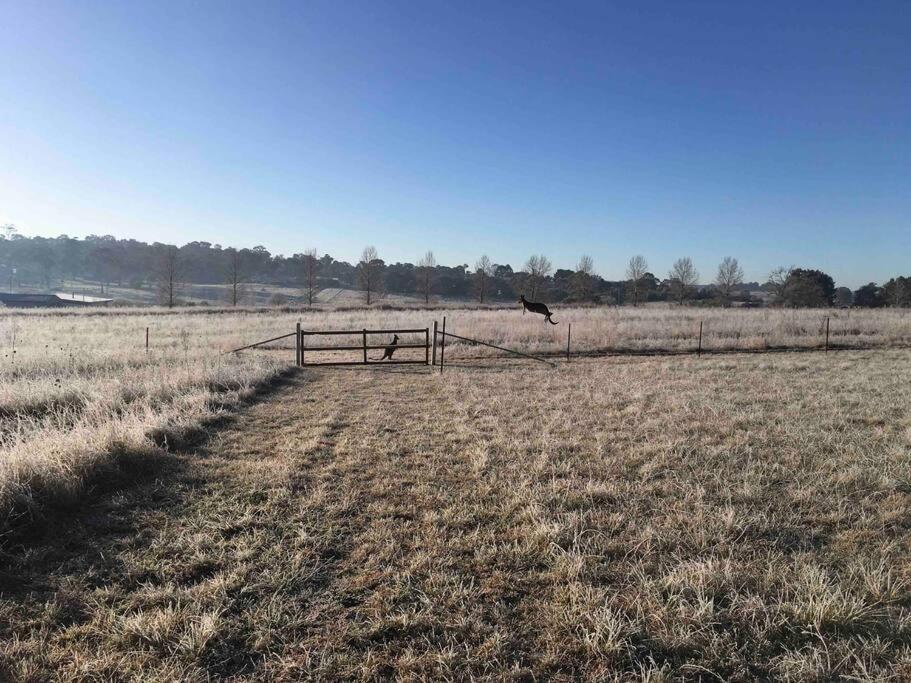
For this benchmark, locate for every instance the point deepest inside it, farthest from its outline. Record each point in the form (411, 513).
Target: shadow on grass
(55, 528)
(376, 367)
(55, 564)
(84, 536)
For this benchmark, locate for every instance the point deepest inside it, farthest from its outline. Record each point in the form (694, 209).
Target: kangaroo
(536, 307)
(391, 348)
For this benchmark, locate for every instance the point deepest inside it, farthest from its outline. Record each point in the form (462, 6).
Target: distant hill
(251, 294)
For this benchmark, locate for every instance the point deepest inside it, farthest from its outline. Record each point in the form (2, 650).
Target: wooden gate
(303, 348)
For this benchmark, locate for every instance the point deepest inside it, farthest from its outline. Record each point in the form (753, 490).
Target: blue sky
(777, 132)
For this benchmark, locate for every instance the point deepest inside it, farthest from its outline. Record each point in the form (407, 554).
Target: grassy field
(78, 392)
(599, 329)
(183, 515)
(78, 387)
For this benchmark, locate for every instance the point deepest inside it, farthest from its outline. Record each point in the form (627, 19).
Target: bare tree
(586, 265)
(425, 275)
(683, 277)
(8, 230)
(584, 278)
(635, 271)
(311, 266)
(730, 275)
(168, 272)
(235, 273)
(483, 271)
(778, 281)
(537, 268)
(370, 272)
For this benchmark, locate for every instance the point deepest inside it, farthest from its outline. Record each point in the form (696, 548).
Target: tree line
(41, 262)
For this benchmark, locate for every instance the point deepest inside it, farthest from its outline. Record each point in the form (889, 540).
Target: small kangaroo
(536, 307)
(391, 348)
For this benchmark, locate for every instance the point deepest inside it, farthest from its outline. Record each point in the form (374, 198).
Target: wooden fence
(429, 344)
(302, 348)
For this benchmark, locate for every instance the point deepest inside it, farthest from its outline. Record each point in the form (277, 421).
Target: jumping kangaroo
(391, 348)
(536, 307)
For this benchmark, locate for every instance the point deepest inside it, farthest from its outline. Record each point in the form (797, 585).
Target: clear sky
(777, 132)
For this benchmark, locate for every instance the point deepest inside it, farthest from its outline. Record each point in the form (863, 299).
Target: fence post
(147, 339)
(297, 345)
(427, 345)
(699, 349)
(569, 334)
(365, 347)
(827, 334)
(443, 345)
(434, 356)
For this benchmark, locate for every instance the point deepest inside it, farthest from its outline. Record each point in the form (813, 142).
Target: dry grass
(739, 517)
(76, 394)
(77, 388)
(659, 329)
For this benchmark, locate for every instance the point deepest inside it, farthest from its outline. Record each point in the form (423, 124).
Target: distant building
(50, 300)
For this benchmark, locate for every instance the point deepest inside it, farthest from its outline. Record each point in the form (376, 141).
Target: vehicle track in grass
(333, 530)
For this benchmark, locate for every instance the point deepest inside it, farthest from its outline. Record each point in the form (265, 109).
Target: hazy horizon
(776, 134)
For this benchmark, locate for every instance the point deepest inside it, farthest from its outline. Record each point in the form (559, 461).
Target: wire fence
(432, 347)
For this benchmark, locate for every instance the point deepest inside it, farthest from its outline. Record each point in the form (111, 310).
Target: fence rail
(311, 333)
(359, 347)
